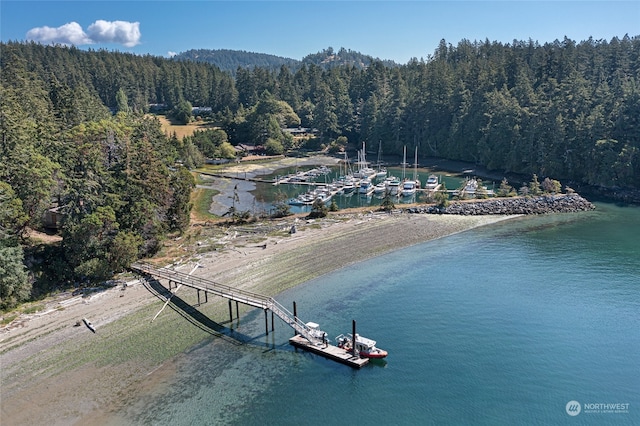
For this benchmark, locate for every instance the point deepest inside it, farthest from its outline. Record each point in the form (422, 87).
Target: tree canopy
(74, 133)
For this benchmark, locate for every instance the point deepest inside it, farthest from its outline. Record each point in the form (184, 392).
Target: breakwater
(562, 203)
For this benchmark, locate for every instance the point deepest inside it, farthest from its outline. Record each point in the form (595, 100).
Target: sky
(385, 29)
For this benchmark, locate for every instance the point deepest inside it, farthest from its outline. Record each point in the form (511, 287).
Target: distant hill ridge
(230, 60)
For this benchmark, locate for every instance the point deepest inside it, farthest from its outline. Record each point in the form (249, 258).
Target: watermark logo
(573, 408)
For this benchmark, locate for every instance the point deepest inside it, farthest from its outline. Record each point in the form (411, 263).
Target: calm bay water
(501, 325)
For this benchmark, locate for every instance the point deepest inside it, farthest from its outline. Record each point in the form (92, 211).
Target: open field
(182, 130)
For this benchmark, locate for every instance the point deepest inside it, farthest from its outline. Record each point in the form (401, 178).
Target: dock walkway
(306, 337)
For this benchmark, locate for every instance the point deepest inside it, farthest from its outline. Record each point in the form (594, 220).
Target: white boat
(366, 187)
(364, 171)
(324, 197)
(365, 348)
(408, 188)
(470, 188)
(393, 185)
(348, 184)
(432, 182)
(323, 193)
(394, 188)
(349, 187)
(302, 199)
(296, 201)
(380, 188)
(411, 186)
(314, 330)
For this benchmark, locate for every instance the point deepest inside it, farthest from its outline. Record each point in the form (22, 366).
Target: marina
(331, 181)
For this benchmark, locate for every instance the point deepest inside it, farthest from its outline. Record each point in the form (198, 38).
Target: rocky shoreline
(562, 203)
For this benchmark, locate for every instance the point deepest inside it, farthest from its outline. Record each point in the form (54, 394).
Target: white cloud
(70, 33)
(171, 54)
(120, 32)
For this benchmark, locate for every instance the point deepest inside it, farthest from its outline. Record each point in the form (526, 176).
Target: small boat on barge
(365, 348)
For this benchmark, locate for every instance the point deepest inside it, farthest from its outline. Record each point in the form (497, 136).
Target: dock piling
(353, 343)
(295, 317)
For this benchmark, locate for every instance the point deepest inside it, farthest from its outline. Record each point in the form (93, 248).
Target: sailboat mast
(404, 162)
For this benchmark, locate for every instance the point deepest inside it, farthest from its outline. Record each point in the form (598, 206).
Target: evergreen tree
(122, 102)
(182, 112)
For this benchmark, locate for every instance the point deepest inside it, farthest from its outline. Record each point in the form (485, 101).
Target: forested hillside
(112, 177)
(74, 133)
(329, 58)
(231, 60)
(564, 109)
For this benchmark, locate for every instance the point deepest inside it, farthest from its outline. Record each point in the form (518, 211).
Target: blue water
(500, 325)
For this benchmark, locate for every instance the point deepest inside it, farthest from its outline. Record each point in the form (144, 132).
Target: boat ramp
(307, 335)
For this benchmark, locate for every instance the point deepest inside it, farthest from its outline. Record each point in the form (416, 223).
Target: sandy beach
(54, 371)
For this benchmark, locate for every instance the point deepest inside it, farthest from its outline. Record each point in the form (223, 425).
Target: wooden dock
(306, 337)
(329, 351)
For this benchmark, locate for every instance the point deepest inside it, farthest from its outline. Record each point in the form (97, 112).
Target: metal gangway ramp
(232, 294)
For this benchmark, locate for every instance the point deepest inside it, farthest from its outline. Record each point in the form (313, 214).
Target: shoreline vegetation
(56, 371)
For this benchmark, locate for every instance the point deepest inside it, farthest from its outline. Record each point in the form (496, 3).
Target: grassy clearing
(32, 309)
(201, 199)
(6, 319)
(27, 308)
(183, 130)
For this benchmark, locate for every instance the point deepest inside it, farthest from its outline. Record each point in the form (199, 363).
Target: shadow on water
(377, 362)
(196, 317)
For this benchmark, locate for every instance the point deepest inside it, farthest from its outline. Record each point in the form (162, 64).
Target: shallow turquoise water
(501, 325)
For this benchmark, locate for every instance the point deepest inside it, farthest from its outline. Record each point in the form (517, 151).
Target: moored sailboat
(410, 187)
(382, 171)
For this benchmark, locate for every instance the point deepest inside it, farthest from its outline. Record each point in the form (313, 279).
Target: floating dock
(329, 351)
(306, 337)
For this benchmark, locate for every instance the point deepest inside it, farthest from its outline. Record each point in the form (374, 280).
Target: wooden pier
(306, 337)
(329, 351)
